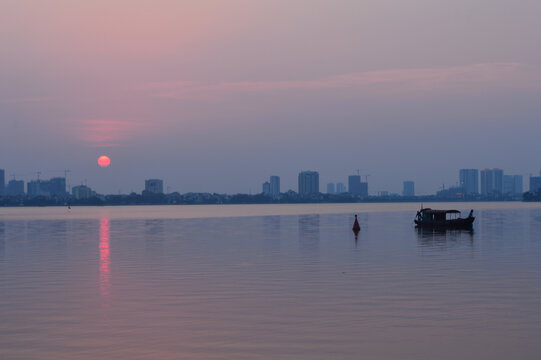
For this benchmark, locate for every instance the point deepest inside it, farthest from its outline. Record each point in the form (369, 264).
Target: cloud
(395, 81)
(108, 133)
(27, 100)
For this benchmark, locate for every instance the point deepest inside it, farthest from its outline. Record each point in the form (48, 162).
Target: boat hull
(459, 223)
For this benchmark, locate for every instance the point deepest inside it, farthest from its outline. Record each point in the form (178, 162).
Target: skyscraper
(512, 185)
(81, 192)
(364, 189)
(154, 186)
(266, 188)
(354, 184)
(15, 187)
(275, 186)
(535, 184)
(469, 181)
(55, 186)
(492, 182)
(409, 188)
(308, 183)
(340, 188)
(330, 188)
(33, 188)
(2, 181)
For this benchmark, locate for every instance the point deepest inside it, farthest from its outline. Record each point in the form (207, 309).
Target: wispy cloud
(108, 133)
(26, 100)
(462, 78)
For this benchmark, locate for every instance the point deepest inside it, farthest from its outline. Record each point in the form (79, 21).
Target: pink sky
(246, 89)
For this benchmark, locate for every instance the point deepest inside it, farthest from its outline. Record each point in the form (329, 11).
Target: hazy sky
(219, 95)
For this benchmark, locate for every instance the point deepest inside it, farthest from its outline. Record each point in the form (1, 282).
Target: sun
(104, 161)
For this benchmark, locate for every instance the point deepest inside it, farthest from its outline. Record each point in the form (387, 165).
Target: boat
(443, 219)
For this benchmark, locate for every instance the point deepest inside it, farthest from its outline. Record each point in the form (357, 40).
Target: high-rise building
(364, 189)
(308, 183)
(492, 182)
(154, 186)
(2, 182)
(275, 186)
(330, 188)
(82, 192)
(518, 185)
(15, 188)
(55, 186)
(409, 188)
(508, 184)
(535, 184)
(266, 188)
(469, 181)
(340, 188)
(33, 188)
(512, 185)
(354, 184)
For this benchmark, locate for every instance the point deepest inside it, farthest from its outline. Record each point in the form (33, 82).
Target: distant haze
(216, 96)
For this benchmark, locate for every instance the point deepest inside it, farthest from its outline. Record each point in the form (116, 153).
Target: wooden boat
(443, 219)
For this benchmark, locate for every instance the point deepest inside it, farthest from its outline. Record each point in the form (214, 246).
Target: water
(287, 282)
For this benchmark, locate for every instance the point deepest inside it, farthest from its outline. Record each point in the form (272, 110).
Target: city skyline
(315, 84)
(487, 182)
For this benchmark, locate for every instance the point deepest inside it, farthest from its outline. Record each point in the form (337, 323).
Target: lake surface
(268, 282)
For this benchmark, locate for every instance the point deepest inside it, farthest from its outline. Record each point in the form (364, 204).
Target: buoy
(356, 226)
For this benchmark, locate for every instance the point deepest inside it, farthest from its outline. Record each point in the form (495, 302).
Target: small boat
(443, 219)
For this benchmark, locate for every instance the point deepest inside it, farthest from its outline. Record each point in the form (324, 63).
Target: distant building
(266, 188)
(15, 188)
(308, 183)
(492, 182)
(518, 184)
(82, 192)
(469, 181)
(2, 182)
(452, 193)
(272, 187)
(409, 188)
(512, 185)
(340, 188)
(330, 188)
(535, 184)
(55, 186)
(364, 189)
(354, 184)
(275, 186)
(33, 188)
(154, 186)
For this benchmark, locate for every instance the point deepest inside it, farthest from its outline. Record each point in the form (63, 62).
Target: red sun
(104, 161)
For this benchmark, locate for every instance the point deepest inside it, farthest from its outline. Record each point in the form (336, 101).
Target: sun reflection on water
(105, 257)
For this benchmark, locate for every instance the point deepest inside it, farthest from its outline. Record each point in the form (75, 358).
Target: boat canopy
(430, 211)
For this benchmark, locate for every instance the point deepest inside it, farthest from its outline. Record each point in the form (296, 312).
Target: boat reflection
(105, 257)
(444, 237)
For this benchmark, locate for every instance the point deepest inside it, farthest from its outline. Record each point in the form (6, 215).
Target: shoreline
(166, 212)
